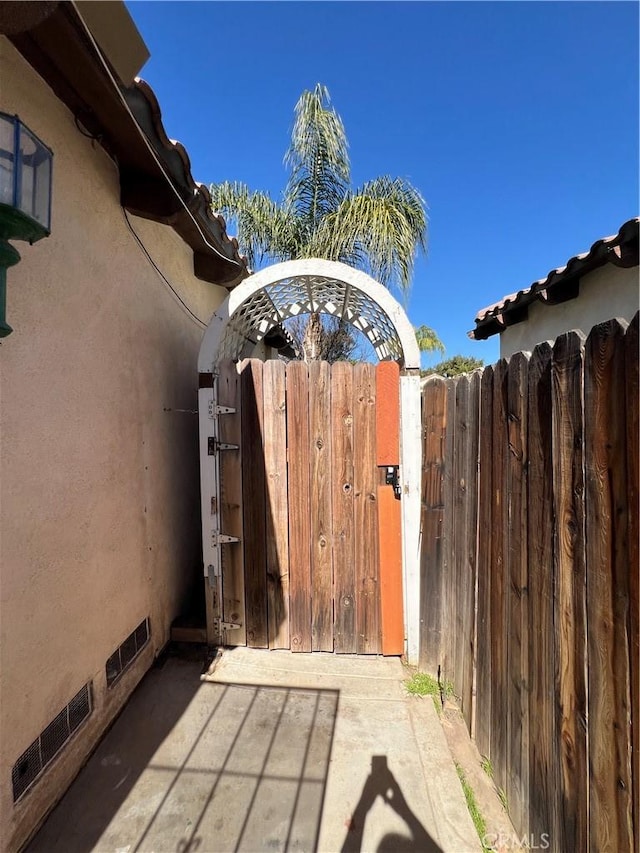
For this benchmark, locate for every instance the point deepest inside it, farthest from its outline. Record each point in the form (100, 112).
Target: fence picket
(517, 585)
(434, 397)
(543, 755)
(460, 578)
(484, 569)
(570, 612)
(499, 613)
(632, 359)
(470, 553)
(277, 506)
(448, 565)
(607, 560)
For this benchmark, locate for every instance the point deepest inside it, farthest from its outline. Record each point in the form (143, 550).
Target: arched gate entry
(251, 317)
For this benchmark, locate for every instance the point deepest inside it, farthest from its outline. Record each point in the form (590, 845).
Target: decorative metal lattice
(307, 294)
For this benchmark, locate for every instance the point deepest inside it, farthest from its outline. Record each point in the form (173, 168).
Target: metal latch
(213, 445)
(392, 478)
(215, 410)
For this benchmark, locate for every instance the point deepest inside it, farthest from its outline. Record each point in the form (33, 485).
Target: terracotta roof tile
(620, 249)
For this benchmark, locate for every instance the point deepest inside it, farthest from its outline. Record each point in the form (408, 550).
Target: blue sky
(517, 121)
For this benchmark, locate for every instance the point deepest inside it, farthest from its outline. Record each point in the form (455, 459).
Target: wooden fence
(530, 578)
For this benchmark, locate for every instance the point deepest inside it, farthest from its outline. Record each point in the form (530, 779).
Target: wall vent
(43, 750)
(125, 654)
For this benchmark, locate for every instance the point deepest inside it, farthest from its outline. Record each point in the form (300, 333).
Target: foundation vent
(127, 652)
(43, 750)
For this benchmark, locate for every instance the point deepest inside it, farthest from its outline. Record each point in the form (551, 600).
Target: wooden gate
(317, 565)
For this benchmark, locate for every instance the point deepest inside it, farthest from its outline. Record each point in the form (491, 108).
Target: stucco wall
(605, 293)
(99, 516)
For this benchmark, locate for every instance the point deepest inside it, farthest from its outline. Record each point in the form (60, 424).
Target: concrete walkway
(273, 751)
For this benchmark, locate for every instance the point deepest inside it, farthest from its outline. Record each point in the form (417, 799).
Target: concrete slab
(271, 751)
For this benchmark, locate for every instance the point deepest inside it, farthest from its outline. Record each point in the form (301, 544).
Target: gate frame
(410, 427)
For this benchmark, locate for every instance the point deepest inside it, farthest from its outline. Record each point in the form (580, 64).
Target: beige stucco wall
(99, 515)
(605, 293)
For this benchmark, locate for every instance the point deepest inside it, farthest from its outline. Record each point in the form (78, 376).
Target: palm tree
(377, 228)
(428, 340)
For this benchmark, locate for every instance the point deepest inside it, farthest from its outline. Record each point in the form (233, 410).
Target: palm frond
(428, 340)
(379, 228)
(318, 158)
(264, 228)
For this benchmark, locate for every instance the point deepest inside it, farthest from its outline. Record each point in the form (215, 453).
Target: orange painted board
(387, 413)
(390, 545)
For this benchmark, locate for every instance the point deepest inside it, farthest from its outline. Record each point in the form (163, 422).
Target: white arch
(265, 300)
(341, 287)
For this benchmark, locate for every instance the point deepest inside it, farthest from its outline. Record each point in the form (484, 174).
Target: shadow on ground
(241, 768)
(382, 783)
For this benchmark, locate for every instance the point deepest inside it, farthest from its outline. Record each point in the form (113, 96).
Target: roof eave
(562, 284)
(155, 174)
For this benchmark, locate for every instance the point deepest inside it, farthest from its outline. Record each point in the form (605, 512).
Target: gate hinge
(219, 625)
(215, 410)
(222, 539)
(213, 445)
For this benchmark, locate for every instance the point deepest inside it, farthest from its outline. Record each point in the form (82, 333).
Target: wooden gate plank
(233, 604)
(570, 603)
(277, 529)
(389, 520)
(517, 581)
(253, 490)
(390, 545)
(434, 400)
(365, 480)
(387, 413)
(299, 506)
(607, 561)
(483, 659)
(342, 504)
(632, 359)
(499, 621)
(321, 527)
(543, 765)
